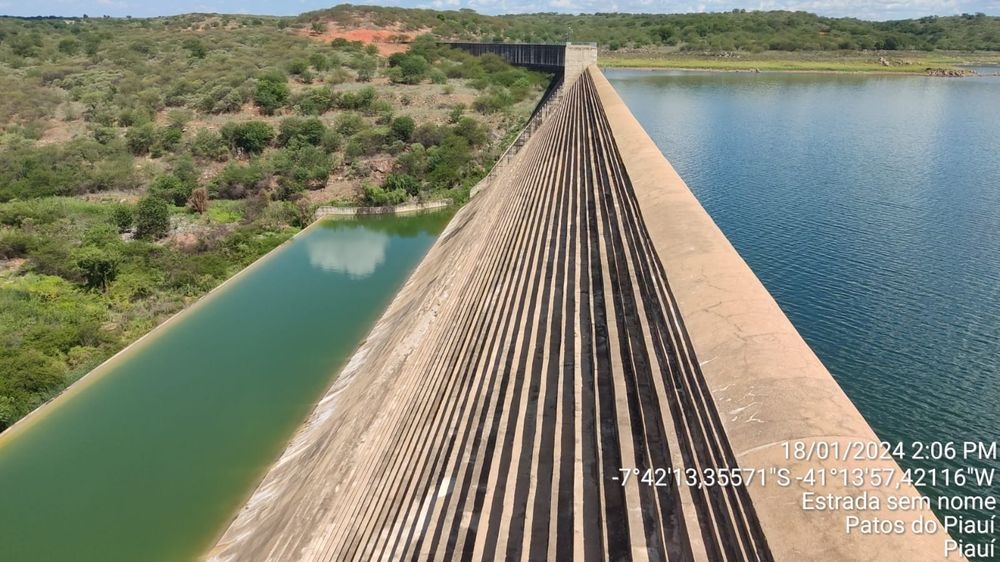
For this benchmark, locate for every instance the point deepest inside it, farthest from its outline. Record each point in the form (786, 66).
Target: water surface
(869, 206)
(150, 459)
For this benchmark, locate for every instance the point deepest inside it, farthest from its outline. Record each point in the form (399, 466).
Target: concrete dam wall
(581, 318)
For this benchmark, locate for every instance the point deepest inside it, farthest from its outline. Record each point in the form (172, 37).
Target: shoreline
(647, 68)
(105, 367)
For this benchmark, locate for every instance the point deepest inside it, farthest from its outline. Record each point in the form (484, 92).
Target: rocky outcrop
(950, 72)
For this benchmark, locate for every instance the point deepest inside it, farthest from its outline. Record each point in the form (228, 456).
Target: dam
(572, 371)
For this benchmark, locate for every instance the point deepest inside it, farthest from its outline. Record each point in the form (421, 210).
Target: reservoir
(869, 206)
(149, 457)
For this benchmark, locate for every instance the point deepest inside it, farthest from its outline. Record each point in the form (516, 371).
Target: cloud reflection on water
(356, 251)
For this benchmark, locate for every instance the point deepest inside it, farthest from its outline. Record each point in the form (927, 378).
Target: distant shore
(905, 63)
(760, 70)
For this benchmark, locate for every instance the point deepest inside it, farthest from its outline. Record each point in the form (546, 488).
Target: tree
(198, 202)
(250, 137)
(412, 68)
(99, 268)
(366, 69)
(152, 218)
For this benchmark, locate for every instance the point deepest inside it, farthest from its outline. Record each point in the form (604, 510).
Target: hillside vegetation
(738, 30)
(142, 162)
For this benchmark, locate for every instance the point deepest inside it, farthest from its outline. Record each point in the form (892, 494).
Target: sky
(866, 9)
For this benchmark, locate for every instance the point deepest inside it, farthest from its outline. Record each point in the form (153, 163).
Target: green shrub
(314, 101)
(140, 138)
(319, 62)
(437, 76)
(167, 139)
(309, 131)
(448, 163)
(297, 67)
(412, 68)
(170, 188)
(331, 140)
(271, 93)
(69, 46)
(366, 69)
(105, 135)
(300, 167)
(14, 244)
(357, 101)
(404, 182)
(208, 145)
(195, 48)
(402, 128)
(373, 140)
(152, 218)
(99, 267)
(236, 181)
(122, 217)
(471, 130)
(429, 134)
(348, 124)
(496, 100)
(353, 150)
(249, 137)
(377, 197)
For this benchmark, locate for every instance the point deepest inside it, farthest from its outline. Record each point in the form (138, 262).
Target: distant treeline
(729, 31)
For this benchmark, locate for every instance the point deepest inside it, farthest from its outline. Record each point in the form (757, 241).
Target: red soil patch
(387, 40)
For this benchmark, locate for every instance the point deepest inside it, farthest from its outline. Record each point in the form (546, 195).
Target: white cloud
(356, 251)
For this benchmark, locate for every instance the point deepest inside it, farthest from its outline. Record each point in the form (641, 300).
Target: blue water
(870, 209)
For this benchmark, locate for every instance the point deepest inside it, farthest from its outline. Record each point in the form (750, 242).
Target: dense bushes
(79, 166)
(85, 292)
(250, 137)
(300, 166)
(310, 131)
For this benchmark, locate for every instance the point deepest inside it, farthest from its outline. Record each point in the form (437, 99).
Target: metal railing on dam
(582, 368)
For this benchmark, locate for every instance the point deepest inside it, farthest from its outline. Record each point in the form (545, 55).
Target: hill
(144, 161)
(739, 30)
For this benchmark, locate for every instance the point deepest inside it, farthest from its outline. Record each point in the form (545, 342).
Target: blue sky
(868, 9)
